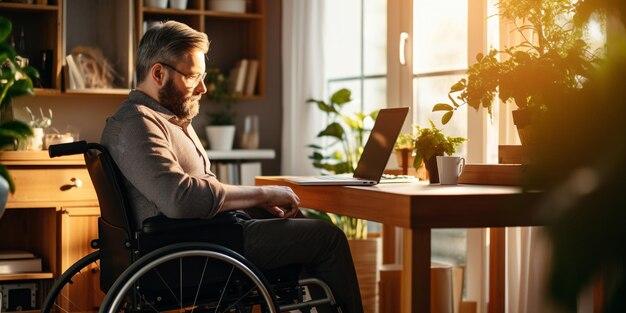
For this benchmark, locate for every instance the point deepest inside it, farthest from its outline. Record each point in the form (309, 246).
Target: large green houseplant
(341, 146)
(15, 81)
(552, 59)
(343, 141)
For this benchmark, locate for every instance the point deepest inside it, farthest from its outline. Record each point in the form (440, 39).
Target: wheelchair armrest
(161, 223)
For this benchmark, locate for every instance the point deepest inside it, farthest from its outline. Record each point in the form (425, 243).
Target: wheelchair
(173, 264)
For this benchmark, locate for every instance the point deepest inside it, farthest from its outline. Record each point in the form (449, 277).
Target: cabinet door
(79, 228)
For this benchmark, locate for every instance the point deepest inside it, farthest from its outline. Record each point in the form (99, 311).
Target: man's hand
(281, 201)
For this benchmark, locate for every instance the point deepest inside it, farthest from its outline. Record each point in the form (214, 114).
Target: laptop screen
(380, 143)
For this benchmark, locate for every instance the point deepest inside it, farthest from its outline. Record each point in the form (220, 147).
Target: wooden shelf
(99, 91)
(241, 154)
(27, 7)
(148, 10)
(46, 92)
(25, 276)
(233, 15)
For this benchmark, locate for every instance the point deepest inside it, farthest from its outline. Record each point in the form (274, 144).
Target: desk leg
(497, 264)
(416, 270)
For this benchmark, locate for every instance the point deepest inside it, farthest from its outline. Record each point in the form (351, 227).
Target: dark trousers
(319, 246)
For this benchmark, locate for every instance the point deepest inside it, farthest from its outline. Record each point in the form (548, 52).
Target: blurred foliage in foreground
(581, 161)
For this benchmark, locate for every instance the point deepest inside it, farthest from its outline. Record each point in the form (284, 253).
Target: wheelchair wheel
(67, 292)
(199, 277)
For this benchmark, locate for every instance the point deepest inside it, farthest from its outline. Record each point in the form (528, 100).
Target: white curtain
(303, 78)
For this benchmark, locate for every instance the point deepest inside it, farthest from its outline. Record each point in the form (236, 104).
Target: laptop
(375, 154)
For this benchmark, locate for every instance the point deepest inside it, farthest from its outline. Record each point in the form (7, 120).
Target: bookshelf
(238, 166)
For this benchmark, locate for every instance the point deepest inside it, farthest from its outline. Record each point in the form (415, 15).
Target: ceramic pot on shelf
(220, 137)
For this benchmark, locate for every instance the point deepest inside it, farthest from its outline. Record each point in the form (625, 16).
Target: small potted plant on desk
(429, 143)
(220, 130)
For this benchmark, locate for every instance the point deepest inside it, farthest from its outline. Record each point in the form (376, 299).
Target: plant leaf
(5, 28)
(333, 130)
(341, 96)
(442, 107)
(446, 117)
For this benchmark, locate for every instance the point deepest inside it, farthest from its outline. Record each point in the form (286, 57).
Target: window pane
(374, 94)
(427, 91)
(375, 37)
(440, 32)
(342, 39)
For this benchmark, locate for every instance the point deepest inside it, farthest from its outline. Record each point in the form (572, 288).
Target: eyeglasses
(190, 80)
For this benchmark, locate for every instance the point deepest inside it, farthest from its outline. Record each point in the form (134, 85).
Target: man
(167, 171)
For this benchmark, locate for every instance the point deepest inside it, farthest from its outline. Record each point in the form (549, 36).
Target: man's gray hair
(167, 42)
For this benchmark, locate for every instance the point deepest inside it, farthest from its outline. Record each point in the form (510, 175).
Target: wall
(88, 113)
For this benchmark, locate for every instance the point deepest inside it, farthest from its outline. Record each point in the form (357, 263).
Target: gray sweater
(165, 167)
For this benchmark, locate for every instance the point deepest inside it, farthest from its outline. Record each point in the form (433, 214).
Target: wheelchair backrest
(108, 182)
(115, 225)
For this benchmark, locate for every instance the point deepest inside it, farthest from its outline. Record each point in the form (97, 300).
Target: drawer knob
(75, 183)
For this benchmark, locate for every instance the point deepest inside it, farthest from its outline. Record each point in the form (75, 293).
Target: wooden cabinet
(40, 24)
(53, 214)
(115, 27)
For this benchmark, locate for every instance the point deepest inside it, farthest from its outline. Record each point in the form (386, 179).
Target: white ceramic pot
(36, 141)
(220, 137)
(237, 6)
(178, 4)
(161, 4)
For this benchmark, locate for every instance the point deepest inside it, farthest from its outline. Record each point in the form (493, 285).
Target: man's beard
(175, 101)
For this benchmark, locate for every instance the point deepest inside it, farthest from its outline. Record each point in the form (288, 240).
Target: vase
(405, 159)
(161, 4)
(431, 167)
(523, 120)
(36, 141)
(178, 4)
(235, 6)
(220, 137)
(4, 194)
(250, 136)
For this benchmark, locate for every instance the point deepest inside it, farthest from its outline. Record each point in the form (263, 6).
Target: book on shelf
(251, 77)
(13, 266)
(249, 170)
(15, 254)
(76, 79)
(237, 77)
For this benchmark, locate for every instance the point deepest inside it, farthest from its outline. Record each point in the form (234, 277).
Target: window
(355, 44)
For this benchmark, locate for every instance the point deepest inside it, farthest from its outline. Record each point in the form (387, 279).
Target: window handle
(404, 36)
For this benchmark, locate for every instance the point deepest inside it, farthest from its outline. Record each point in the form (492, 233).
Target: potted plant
(403, 150)
(38, 125)
(220, 130)
(553, 62)
(345, 137)
(15, 81)
(431, 142)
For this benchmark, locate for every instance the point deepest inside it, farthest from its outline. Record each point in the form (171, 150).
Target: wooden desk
(418, 208)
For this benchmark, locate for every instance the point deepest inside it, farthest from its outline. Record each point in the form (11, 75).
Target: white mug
(450, 168)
